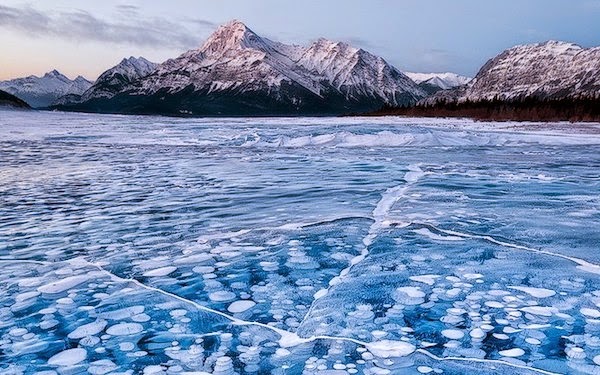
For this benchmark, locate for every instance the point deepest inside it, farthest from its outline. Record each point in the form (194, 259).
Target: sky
(86, 37)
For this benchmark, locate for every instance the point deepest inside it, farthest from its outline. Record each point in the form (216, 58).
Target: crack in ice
(384, 349)
(581, 264)
(380, 220)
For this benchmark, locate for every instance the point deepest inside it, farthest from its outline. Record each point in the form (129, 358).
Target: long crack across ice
(581, 264)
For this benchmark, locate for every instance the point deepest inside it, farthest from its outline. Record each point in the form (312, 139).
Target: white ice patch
(89, 329)
(63, 285)
(590, 313)
(390, 349)
(240, 306)
(124, 329)
(160, 272)
(436, 237)
(539, 310)
(512, 353)
(453, 334)
(425, 279)
(68, 357)
(534, 292)
(221, 296)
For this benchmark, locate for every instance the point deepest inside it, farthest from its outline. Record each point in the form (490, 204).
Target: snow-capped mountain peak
(236, 71)
(444, 81)
(234, 35)
(130, 68)
(55, 74)
(43, 91)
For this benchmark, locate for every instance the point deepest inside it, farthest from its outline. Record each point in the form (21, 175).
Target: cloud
(80, 25)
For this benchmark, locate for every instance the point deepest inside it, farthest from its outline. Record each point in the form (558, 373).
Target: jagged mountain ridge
(111, 82)
(238, 72)
(546, 71)
(43, 91)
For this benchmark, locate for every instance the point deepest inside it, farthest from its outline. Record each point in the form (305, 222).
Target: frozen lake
(297, 246)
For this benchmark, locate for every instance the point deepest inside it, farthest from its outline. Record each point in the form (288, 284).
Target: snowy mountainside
(551, 70)
(238, 72)
(43, 91)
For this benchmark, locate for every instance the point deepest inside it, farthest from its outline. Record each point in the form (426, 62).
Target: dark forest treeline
(529, 109)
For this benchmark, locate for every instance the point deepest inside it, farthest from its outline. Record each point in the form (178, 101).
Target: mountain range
(42, 91)
(434, 82)
(236, 72)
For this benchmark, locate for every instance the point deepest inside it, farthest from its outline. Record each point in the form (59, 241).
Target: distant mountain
(546, 71)
(43, 91)
(237, 72)
(10, 101)
(113, 81)
(434, 82)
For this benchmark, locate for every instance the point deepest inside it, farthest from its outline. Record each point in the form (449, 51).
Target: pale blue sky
(87, 37)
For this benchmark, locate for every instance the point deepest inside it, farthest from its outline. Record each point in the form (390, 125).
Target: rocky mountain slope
(10, 101)
(237, 72)
(546, 71)
(113, 81)
(43, 91)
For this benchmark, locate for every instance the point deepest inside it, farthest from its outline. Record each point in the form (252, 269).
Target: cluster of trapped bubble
(143, 245)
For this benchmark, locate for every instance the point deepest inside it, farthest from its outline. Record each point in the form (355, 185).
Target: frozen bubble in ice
(425, 279)
(409, 295)
(500, 336)
(89, 341)
(160, 272)
(575, 353)
(203, 269)
(17, 332)
(512, 353)
(68, 357)
(424, 369)
(477, 334)
(240, 306)
(48, 324)
(27, 295)
(539, 310)
(89, 329)
(494, 304)
(472, 276)
(597, 360)
(590, 313)
(102, 367)
(63, 285)
(140, 318)
(534, 292)
(153, 369)
(453, 334)
(126, 346)
(121, 314)
(178, 313)
(124, 329)
(221, 296)
(390, 349)
(532, 341)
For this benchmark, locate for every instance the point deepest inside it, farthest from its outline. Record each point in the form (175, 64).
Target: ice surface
(297, 246)
(68, 357)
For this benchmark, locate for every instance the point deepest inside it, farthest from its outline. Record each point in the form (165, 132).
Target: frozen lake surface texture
(146, 245)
